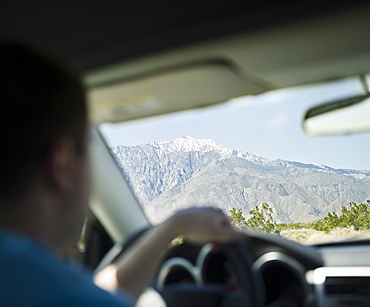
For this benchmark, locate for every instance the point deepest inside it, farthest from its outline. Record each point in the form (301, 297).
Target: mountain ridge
(167, 176)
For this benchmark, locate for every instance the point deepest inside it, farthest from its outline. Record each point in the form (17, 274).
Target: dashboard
(344, 280)
(288, 274)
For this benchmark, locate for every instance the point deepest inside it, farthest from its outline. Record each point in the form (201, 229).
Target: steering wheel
(185, 281)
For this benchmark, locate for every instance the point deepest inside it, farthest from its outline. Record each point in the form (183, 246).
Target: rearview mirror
(346, 116)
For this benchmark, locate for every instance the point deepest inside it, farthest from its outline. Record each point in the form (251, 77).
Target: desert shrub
(237, 218)
(261, 219)
(355, 215)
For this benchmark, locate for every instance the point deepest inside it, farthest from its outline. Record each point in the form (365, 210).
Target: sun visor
(167, 91)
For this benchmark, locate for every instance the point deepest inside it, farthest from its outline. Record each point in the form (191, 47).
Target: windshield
(250, 158)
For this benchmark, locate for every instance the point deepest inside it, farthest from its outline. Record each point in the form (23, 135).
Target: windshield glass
(250, 158)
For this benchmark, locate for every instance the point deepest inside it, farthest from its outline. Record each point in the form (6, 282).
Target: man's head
(40, 102)
(43, 138)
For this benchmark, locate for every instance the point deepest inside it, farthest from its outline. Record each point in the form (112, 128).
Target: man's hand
(205, 225)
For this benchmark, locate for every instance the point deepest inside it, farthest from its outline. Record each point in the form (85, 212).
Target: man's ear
(61, 165)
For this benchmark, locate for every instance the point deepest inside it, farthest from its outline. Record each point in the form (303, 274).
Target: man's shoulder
(31, 275)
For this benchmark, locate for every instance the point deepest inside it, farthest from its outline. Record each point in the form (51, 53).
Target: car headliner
(89, 34)
(269, 44)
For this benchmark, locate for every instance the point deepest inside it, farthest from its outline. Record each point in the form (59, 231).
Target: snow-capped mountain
(167, 176)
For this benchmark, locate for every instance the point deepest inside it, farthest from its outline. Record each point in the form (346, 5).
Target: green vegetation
(261, 219)
(237, 219)
(355, 217)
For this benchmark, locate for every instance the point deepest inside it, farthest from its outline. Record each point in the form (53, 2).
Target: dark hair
(40, 101)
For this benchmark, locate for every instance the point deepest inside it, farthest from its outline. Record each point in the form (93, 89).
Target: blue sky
(267, 125)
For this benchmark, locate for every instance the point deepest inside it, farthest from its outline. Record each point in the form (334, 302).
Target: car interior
(151, 59)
